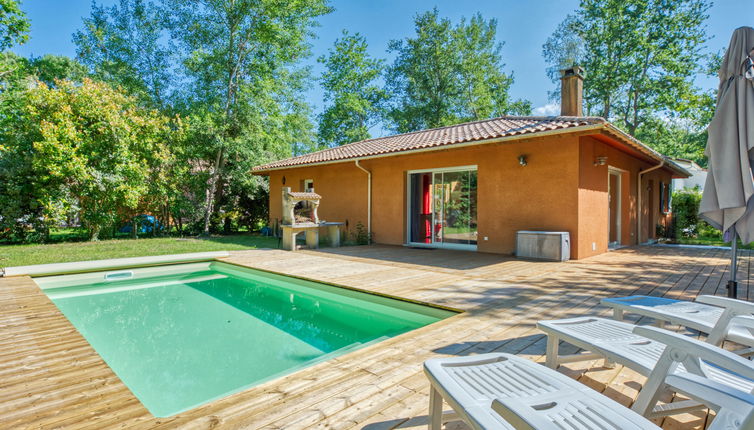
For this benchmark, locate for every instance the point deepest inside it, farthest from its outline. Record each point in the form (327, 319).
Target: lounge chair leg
(435, 409)
(659, 323)
(649, 395)
(608, 364)
(551, 360)
(618, 314)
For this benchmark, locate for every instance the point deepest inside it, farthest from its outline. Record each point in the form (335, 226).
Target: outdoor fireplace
(300, 215)
(300, 208)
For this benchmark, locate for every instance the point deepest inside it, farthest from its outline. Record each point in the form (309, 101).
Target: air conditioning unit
(543, 245)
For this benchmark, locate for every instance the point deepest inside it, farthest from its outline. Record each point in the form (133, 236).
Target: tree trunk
(94, 232)
(211, 190)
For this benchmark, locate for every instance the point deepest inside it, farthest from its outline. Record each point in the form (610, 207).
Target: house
(472, 186)
(698, 175)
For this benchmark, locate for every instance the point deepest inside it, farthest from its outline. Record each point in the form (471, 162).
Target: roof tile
(443, 136)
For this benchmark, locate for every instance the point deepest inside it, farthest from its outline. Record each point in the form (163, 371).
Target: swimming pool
(182, 335)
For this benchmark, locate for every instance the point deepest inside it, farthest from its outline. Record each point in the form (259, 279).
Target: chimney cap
(572, 71)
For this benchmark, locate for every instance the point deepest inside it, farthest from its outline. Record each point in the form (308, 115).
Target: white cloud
(550, 109)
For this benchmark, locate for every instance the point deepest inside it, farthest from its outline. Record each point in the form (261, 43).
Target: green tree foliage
(355, 100)
(449, 74)
(675, 139)
(18, 71)
(51, 68)
(124, 45)
(18, 74)
(686, 212)
(81, 149)
(239, 57)
(14, 25)
(640, 56)
(14, 70)
(686, 135)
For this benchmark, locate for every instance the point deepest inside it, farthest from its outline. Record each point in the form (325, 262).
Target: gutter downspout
(638, 197)
(369, 198)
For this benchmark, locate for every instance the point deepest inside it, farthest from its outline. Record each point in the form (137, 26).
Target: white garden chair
(708, 314)
(503, 391)
(656, 354)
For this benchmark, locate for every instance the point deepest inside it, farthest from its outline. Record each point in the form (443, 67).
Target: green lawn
(21, 255)
(711, 241)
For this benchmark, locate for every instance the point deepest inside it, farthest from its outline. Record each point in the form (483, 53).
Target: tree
(127, 45)
(51, 68)
(356, 102)
(446, 74)
(84, 149)
(639, 56)
(14, 25)
(239, 57)
(18, 74)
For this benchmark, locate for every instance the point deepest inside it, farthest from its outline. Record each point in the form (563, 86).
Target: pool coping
(108, 264)
(346, 287)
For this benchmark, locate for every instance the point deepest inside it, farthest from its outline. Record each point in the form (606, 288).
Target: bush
(361, 236)
(686, 213)
(79, 149)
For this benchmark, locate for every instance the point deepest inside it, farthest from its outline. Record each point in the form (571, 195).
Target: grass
(21, 255)
(715, 240)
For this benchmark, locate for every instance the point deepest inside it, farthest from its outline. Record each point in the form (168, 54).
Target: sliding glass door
(442, 208)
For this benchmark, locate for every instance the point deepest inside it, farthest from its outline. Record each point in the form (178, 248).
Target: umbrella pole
(732, 284)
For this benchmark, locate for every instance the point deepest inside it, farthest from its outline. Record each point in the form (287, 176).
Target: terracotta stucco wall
(342, 187)
(593, 198)
(559, 189)
(650, 221)
(510, 197)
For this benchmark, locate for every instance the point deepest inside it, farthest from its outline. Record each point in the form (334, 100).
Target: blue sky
(522, 25)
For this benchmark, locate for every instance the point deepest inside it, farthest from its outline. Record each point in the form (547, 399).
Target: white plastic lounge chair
(708, 314)
(654, 353)
(502, 391)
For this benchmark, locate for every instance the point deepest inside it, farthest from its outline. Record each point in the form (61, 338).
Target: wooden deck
(51, 378)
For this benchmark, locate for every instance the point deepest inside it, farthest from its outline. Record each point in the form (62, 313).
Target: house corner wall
(592, 201)
(593, 197)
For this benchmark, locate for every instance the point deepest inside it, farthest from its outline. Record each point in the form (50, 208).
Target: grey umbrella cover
(727, 193)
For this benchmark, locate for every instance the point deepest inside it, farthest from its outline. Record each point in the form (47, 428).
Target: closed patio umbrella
(727, 203)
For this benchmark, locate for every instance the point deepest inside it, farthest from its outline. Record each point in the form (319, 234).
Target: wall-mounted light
(283, 180)
(522, 160)
(600, 161)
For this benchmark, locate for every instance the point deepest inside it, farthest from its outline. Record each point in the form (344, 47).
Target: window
(442, 207)
(666, 192)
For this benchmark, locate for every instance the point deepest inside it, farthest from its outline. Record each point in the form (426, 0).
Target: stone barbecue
(300, 208)
(300, 215)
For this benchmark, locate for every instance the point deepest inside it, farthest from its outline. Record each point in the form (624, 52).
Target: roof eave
(651, 153)
(605, 126)
(581, 128)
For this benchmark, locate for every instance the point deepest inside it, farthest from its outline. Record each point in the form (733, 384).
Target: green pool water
(180, 336)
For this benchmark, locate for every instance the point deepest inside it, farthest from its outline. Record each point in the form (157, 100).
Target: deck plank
(50, 377)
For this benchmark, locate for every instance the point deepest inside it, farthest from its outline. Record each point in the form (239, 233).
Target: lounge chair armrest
(696, 348)
(723, 395)
(743, 321)
(737, 306)
(519, 415)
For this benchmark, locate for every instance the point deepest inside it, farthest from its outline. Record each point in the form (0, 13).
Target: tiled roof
(436, 137)
(506, 126)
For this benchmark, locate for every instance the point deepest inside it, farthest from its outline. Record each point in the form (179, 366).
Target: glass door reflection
(443, 208)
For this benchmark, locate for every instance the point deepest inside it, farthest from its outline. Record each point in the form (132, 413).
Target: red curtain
(427, 206)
